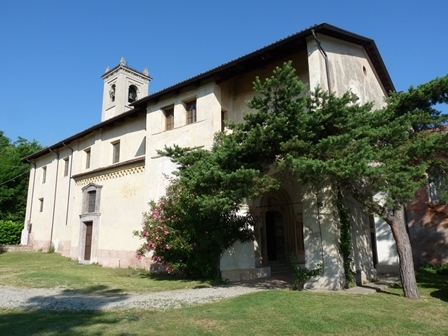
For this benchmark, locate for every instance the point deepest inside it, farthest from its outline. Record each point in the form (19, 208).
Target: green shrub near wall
(10, 232)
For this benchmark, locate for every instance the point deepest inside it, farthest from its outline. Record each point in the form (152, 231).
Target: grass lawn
(48, 270)
(278, 312)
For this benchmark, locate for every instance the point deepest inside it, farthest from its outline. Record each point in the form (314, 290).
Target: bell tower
(122, 86)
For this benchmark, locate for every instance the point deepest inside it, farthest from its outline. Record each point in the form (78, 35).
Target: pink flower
(156, 258)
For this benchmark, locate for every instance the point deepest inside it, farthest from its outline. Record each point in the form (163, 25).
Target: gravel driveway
(60, 299)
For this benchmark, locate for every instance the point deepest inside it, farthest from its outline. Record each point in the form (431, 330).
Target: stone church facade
(87, 193)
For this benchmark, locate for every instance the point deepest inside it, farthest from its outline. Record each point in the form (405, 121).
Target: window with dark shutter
(191, 111)
(169, 117)
(91, 201)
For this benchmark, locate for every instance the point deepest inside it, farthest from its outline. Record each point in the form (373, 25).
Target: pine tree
(315, 137)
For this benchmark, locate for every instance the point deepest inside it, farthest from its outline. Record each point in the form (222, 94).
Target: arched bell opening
(132, 94)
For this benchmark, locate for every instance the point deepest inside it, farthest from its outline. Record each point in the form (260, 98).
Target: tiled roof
(241, 65)
(254, 59)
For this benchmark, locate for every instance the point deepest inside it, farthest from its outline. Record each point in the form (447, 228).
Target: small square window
(169, 117)
(66, 164)
(41, 204)
(44, 174)
(116, 152)
(191, 111)
(87, 151)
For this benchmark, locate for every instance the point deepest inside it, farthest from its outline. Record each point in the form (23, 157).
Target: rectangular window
(91, 201)
(66, 163)
(116, 152)
(41, 204)
(191, 111)
(224, 117)
(87, 151)
(44, 174)
(169, 117)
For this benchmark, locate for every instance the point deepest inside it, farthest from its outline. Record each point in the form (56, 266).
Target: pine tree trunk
(404, 249)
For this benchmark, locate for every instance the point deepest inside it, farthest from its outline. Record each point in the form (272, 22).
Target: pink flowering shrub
(184, 236)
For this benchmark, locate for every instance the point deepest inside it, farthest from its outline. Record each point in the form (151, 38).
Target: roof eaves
(82, 134)
(323, 28)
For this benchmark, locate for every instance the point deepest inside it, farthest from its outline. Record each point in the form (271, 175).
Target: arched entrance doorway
(275, 236)
(279, 234)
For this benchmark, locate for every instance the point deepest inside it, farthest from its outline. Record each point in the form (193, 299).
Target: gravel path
(57, 299)
(62, 299)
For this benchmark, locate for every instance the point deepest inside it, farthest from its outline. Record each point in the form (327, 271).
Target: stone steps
(280, 267)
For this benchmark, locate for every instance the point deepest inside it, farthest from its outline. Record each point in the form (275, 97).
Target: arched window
(132, 96)
(112, 93)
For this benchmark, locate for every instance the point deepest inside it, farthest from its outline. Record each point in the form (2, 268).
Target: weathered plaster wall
(123, 188)
(237, 91)
(198, 134)
(387, 250)
(239, 256)
(350, 69)
(362, 253)
(321, 234)
(40, 219)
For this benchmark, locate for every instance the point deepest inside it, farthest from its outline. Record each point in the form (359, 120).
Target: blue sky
(53, 52)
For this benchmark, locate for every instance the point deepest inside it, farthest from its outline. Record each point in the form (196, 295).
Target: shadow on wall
(324, 249)
(363, 257)
(428, 230)
(387, 251)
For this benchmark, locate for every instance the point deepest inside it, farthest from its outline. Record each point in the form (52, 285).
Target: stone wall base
(15, 248)
(387, 269)
(246, 274)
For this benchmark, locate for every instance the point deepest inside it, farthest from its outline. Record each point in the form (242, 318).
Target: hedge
(10, 232)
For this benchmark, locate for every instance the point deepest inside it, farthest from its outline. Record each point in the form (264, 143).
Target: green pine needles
(311, 137)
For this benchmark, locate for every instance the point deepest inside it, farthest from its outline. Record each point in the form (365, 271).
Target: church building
(87, 192)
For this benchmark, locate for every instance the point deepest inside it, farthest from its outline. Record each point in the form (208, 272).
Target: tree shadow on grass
(39, 322)
(427, 278)
(64, 312)
(89, 298)
(177, 278)
(99, 290)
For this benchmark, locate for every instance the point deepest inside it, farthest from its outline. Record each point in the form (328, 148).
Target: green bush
(181, 236)
(10, 232)
(441, 269)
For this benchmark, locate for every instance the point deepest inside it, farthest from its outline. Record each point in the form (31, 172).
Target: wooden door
(88, 244)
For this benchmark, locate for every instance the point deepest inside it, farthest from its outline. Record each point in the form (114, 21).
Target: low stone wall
(15, 248)
(246, 274)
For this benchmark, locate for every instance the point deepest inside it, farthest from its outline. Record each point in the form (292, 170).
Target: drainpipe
(69, 182)
(54, 196)
(28, 222)
(324, 54)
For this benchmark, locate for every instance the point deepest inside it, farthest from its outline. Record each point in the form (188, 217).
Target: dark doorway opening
(275, 236)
